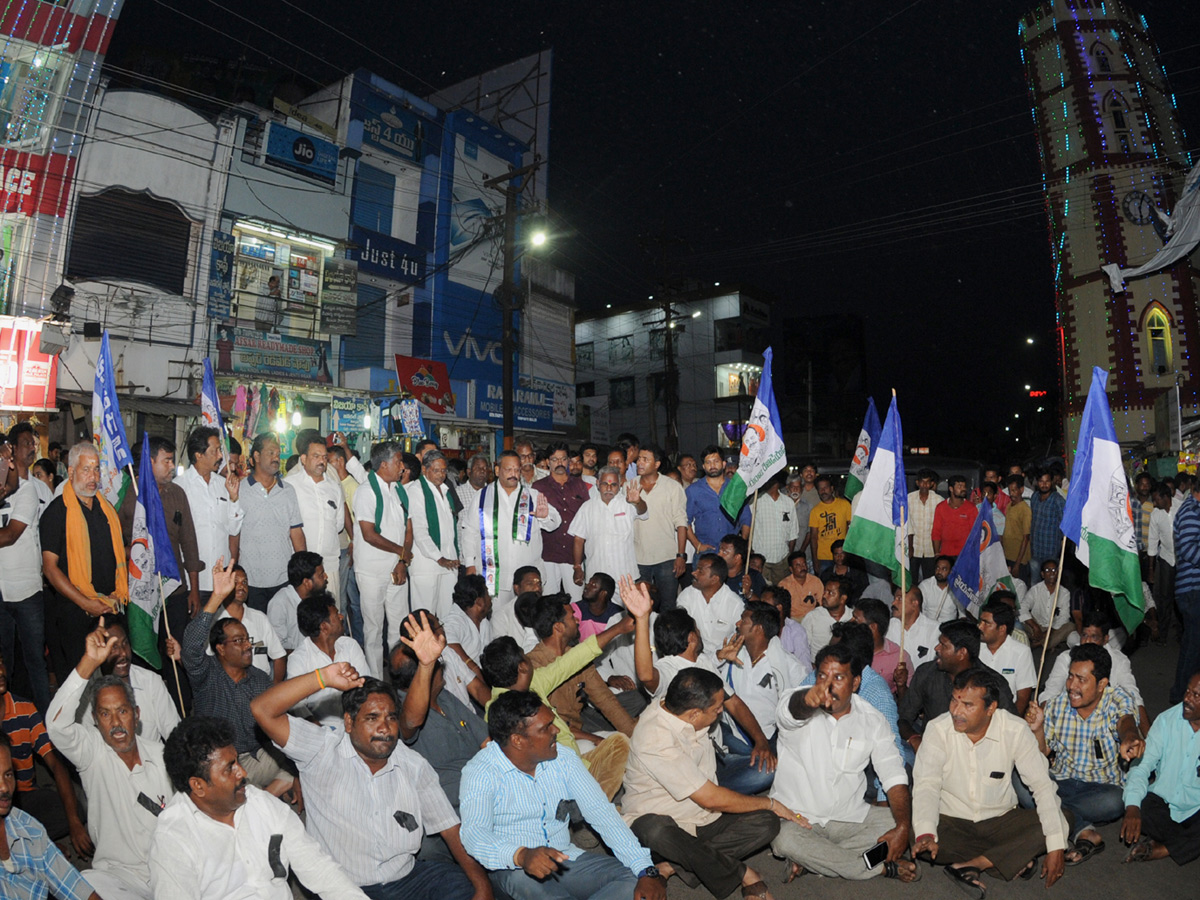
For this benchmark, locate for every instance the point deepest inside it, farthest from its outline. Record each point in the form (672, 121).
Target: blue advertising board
(303, 153)
(390, 125)
(389, 257)
(220, 276)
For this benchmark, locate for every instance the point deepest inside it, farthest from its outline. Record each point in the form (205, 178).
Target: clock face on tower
(1139, 209)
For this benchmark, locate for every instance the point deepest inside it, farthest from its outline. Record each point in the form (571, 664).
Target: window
(585, 389)
(1158, 336)
(123, 236)
(1100, 54)
(30, 78)
(621, 393)
(620, 349)
(658, 343)
(585, 355)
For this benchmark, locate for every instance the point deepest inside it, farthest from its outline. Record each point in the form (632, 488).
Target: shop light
(280, 425)
(290, 238)
(366, 422)
(296, 419)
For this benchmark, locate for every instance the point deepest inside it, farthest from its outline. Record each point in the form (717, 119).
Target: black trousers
(1182, 839)
(67, 628)
(713, 857)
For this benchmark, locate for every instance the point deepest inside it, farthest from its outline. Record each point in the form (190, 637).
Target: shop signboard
(244, 351)
(390, 125)
(389, 257)
(296, 151)
(35, 185)
(427, 381)
(28, 377)
(562, 396)
(339, 296)
(532, 408)
(220, 276)
(348, 413)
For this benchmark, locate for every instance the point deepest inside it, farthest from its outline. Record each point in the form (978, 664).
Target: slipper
(969, 878)
(1139, 851)
(757, 889)
(893, 870)
(1030, 870)
(791, 871)
(1086, 850)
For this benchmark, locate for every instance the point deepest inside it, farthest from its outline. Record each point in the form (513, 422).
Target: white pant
(112, 886)
(379, 598)
(434, 591)
(333, 572)
(560, 578)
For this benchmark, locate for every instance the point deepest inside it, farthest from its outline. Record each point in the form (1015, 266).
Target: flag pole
(903, 588)
(753, 517)
(1062, 554)
(174, 665)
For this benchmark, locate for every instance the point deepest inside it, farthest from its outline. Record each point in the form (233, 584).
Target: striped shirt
(1088, 749)
(371, 824)
(39, 864)
(1187, 546)
(775, 526)
(1045, 538)
(503, 810)
(24, 726)
(921, 522)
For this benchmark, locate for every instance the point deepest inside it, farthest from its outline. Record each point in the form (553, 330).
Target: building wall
(1111, 152)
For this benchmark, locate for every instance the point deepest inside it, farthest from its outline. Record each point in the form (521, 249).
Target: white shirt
(119, 825)
(215, 516)
(607, 529)
(514, 553)
(1122, 675)
(321, 505)
(919, 638)
(156, 712)
(759, 685)
(822, 760)
(505, 624)
(819, 625)
(425, 552)
(461, 630)
(263, 639)
(352, 813)
(775, 524)
(1014, 661)
(715, 619)
(670, 666)
(195, 857)
(21, 561)
(938, 602)
(325, 705)
(1038, 602)
(371, 560)
(1161, 542)
(282, 613)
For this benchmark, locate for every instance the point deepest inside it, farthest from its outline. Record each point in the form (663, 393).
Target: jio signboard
(303, 153)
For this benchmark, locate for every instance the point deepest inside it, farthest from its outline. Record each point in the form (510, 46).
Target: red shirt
(951, 526)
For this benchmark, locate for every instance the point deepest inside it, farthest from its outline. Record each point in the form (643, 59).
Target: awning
(153, 406)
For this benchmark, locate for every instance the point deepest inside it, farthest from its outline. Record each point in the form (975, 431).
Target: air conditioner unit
(56, 337)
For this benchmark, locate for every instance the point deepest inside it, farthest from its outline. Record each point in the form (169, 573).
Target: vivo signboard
(303, 153)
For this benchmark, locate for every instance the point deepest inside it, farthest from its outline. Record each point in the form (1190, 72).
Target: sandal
(969, 879)
(1085, 850)
(792, 871)
(1030, 870)
(1140, 850)
(757, 889)
(893, 870)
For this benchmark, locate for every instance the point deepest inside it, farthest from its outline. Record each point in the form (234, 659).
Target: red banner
(28, 377)
(427, 381)
(35, 184)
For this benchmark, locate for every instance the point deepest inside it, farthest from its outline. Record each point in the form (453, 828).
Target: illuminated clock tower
(1112, 153)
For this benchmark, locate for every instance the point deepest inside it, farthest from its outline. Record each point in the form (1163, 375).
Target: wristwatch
(650, 872)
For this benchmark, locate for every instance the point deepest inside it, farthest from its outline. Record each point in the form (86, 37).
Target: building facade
(1112, 155)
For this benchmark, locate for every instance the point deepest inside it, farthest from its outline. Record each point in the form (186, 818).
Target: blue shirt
(707, 518)
(41, 867)
(503, 810)
(1187, 546)
(875, 691)
(1045, 534)
(1173, 752)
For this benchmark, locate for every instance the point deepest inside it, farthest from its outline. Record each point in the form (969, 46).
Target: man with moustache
(567, 494)
(362, 777)
(322, 506)
(708, 520)
(124, 777)
(221, 837)
(157, 714)
(30, 863)
(433, 507)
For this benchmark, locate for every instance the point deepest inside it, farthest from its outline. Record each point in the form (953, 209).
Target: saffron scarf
(79, 548)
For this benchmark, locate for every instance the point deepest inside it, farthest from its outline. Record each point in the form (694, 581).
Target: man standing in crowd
(83, 559)
(1161, 550)
(322, 507)
(952, 520)
(660, 537)
(1045, 525)
(216, 512)
(828, 522)
(603, 529)
(271, 522)
(708, 520)
(433, 507)
(1018, 520)
(339, 458)
(922, 504)
(566, 494)
(776, 531)
(1187, 590)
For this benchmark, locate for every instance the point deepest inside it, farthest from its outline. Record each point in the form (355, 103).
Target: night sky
(845, 157)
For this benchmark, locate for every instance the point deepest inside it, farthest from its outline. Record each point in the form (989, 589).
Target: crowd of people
(409, 674)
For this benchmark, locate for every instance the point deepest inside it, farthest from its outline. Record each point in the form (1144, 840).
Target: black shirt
(53, 531)
(929, 694)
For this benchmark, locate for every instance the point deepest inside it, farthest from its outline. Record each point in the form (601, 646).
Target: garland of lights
(1057, 43)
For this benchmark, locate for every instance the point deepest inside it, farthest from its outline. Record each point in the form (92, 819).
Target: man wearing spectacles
(224, 684)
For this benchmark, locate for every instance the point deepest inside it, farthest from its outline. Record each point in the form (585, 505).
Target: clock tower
(1112, 155)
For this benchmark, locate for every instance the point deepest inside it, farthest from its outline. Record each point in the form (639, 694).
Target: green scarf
(432, 518)
(373, 480)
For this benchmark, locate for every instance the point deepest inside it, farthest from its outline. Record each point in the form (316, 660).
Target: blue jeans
(734, 770)
(354, 622)
(1093, 803)
(29, 617)
(1187, 607)
(443, 880)
(594, 876)
(661, 576)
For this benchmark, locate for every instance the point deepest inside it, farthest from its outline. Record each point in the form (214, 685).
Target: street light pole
(506, 293)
